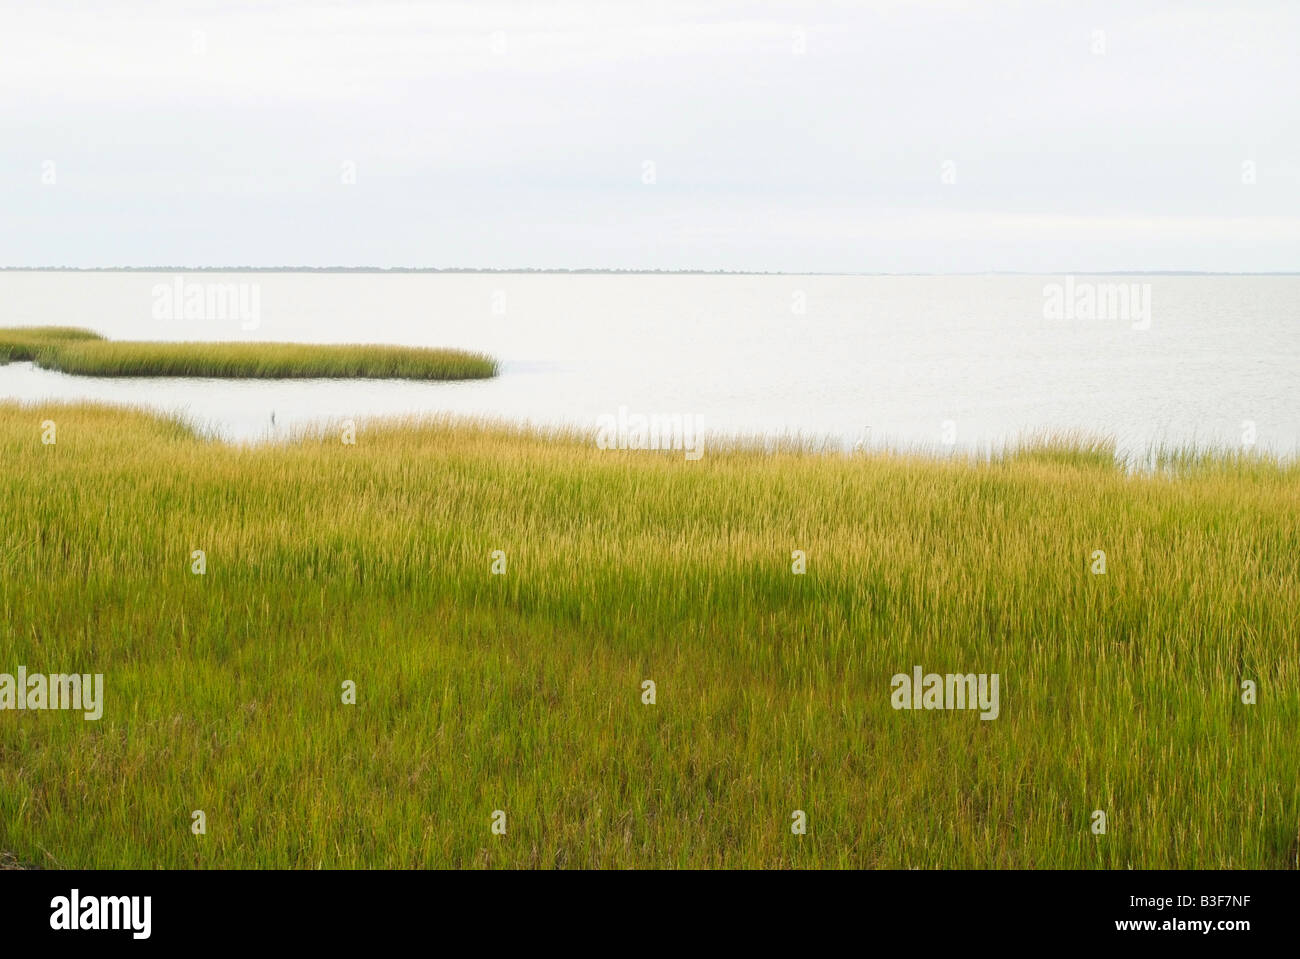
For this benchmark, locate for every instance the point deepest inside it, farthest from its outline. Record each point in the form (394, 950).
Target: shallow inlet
(942, 363)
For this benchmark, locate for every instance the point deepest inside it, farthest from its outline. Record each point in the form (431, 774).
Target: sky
(874, 137)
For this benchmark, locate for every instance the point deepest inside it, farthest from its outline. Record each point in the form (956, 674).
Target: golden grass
(522, 692)
(71, 350)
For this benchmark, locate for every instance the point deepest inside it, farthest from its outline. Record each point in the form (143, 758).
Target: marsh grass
(1069, 448)
(522, 692)
(29, 343)
(81, 352)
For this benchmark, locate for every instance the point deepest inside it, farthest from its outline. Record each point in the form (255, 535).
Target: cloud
(517, 134)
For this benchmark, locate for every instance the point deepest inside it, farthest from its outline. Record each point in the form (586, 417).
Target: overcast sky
(924, 136)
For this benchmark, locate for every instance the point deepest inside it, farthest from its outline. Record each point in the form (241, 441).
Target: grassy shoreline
(85, 353)
(522, 692)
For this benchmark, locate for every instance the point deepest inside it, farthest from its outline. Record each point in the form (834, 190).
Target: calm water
(899, 360)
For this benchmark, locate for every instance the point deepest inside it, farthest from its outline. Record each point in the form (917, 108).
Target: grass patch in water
(82, 352)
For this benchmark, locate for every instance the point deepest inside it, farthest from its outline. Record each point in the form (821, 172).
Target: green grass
(72, 350)
(522, 692)
(30, 343)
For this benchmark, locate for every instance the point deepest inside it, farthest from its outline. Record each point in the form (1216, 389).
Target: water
(911, 361)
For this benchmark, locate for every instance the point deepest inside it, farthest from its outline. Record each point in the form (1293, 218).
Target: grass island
(69, 349)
